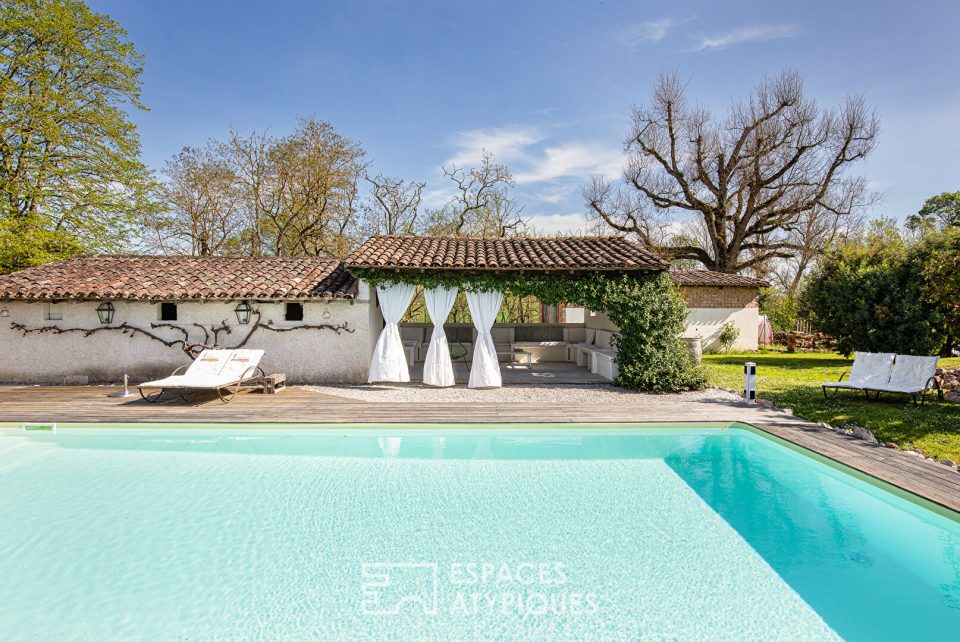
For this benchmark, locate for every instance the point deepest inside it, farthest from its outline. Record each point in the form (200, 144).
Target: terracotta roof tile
(438, 253)
(716, 279)
(181, 278)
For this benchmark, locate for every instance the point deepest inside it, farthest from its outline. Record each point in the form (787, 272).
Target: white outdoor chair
(218, 370)
(868, 369)
(914, 376)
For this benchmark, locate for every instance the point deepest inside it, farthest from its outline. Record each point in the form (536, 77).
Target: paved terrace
(92, 404)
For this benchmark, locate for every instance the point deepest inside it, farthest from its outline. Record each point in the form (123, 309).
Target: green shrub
(869, 294)
(728, 334)
(780, 308)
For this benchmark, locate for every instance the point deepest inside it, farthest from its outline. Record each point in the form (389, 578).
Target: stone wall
(720, 297)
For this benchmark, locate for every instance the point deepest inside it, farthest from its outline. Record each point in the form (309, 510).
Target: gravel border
(535, 393)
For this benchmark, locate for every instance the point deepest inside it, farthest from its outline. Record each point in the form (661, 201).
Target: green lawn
(793, 381)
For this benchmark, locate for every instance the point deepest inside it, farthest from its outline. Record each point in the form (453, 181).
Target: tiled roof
(181, 278)
(535, 254)
(716, 279)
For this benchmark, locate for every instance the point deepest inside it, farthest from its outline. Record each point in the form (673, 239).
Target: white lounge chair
(911, 375)
(212, 370)
(869, 368)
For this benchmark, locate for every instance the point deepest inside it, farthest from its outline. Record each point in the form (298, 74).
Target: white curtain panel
(485, 370)
(389, 362)
(437, 368)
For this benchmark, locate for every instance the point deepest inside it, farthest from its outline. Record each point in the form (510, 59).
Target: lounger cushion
(870, 368)
(910, 374)
(208, 363)
(238, 365)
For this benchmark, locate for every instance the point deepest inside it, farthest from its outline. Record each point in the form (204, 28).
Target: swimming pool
(575, 533)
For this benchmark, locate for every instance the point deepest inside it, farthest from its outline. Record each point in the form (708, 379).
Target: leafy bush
(728, 334)
(648, 309)
(780, 308)
(940, 254)
(869, 294)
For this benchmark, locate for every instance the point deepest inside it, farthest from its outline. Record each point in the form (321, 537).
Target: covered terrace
(437, 328)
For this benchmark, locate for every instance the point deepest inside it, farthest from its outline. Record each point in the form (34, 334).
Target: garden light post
(750, 382)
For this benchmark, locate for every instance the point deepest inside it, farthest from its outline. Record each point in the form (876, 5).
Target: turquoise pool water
(565, 533)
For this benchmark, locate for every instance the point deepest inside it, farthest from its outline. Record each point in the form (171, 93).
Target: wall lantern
(105, 312)
(243, 313)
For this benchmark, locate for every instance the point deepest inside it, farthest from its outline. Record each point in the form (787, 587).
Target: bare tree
(249, 156)
(816, 230)
(302, 190)
(393, 205)
(203, 213)
(751, 178)
(482, 205)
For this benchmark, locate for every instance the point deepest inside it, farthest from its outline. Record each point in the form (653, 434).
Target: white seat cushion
(870, 368)
(910, 374)
(240, 364)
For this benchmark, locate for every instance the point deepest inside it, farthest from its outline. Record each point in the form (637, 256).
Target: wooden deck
(92, 404)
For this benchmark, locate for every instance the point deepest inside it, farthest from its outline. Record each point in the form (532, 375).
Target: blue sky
(547, 86)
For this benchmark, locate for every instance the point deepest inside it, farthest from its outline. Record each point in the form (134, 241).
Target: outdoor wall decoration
(195, 337)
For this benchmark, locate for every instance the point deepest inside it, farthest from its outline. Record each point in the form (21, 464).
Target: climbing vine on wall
(211, 336)
(647, 307)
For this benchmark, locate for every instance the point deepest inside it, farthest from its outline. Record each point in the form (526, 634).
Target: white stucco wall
(704, 323)
(306, 356)
(707, 322)
(599, 321)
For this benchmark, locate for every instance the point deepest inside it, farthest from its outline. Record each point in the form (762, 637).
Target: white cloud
(570, 159)
(650, 31)
(753, 33)
(554, 193)
(546, 168)
(506, 143)
(524, 151)
(558, 224)
(436, 197)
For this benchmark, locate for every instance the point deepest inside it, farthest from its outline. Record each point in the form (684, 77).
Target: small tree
(727, 336)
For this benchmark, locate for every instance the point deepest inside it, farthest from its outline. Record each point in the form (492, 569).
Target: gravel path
(548, 393)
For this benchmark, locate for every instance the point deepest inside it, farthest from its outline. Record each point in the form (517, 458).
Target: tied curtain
(389, 362)
(437, 367)
(485, 370)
